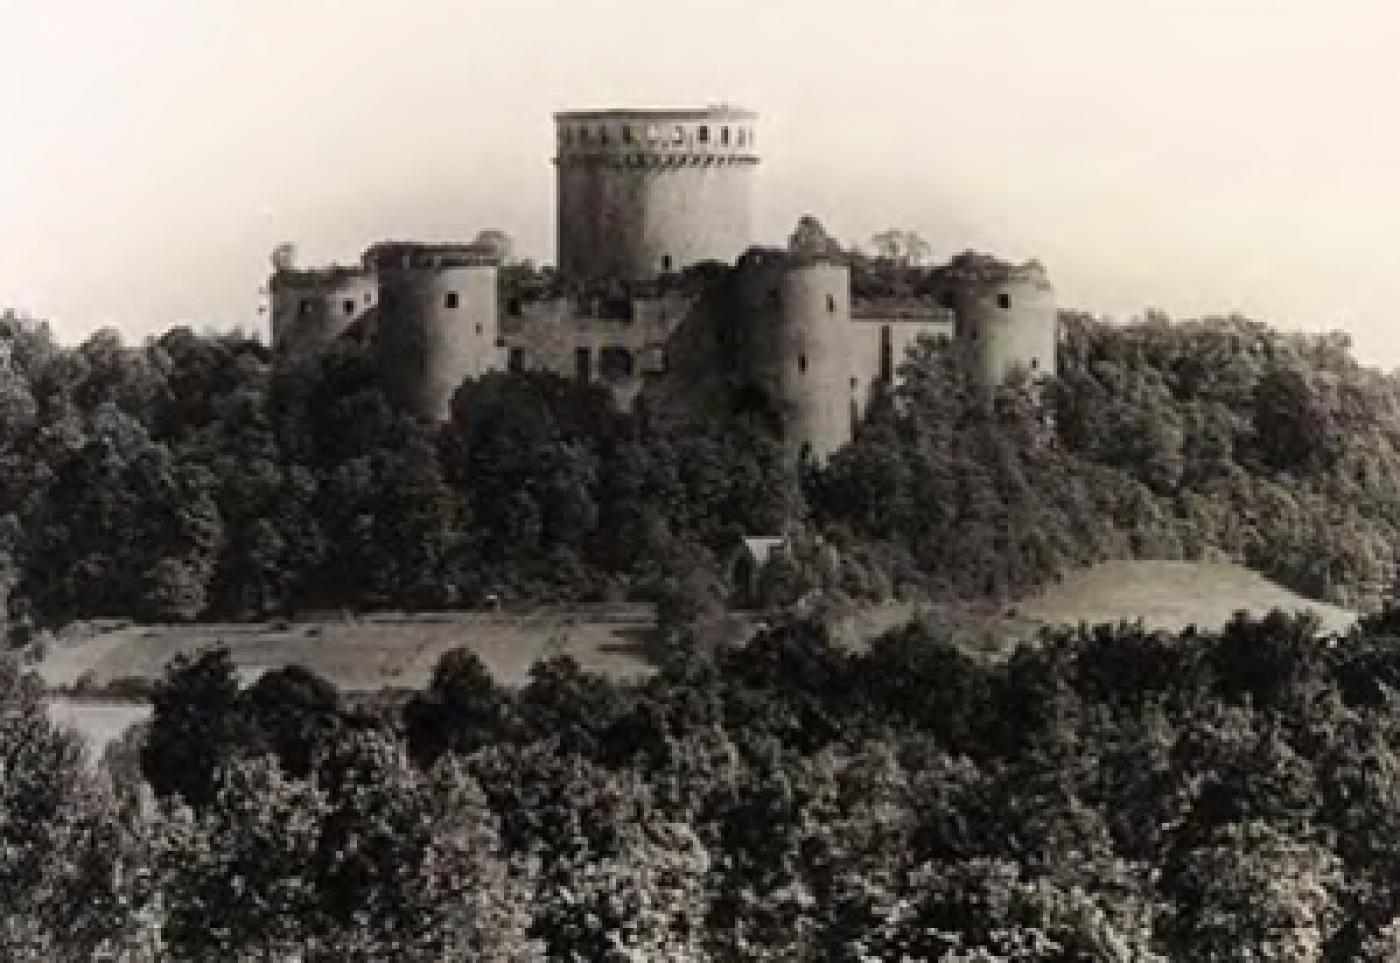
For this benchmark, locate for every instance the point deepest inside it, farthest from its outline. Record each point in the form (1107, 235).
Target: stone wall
(310, 309)
(577, 341)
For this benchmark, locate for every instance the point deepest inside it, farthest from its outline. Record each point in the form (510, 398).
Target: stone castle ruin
(661, 294)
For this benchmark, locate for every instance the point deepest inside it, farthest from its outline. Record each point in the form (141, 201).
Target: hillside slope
(1170, 596)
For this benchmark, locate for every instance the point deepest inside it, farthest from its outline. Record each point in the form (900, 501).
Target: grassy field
(1168, 595)
(388, 650)
(366, 653)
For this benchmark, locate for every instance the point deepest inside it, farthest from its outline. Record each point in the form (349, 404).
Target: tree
(368, 860)
(70, 872)
(197, 725)
(462, 709)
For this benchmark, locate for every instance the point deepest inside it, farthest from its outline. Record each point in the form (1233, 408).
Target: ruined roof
(986, 269)
(429, 254)
(329, 274)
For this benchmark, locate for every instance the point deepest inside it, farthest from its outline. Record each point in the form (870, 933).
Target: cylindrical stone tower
(798, 351)
(814, 348)
(438, 321)
(647, 192)
(1005, 316)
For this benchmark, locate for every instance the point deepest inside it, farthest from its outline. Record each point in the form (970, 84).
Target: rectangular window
(627, 133)
(515, 363)
(703, 134)
(886, 355)
(1004, 301)
(349, 306)
(724, 136)
(449, 300)
(583, 364)
(304, 308)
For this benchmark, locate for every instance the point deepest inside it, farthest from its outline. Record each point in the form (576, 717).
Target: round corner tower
(1005, 315)
(648, 192)
(439, 321)
(800, 353)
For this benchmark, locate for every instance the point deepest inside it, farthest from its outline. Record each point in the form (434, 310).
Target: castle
(661, 295)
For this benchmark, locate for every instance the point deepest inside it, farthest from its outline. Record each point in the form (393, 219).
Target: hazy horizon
(1192, 157)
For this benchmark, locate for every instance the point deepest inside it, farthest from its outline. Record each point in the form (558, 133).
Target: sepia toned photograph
(778, 481)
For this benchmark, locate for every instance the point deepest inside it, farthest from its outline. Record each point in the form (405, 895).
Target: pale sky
(1192, 156)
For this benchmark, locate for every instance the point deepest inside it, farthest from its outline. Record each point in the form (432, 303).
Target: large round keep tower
(646, 192)
(438, 321)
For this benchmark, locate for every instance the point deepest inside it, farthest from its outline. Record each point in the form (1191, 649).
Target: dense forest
(1103, 795)
(187, 477)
